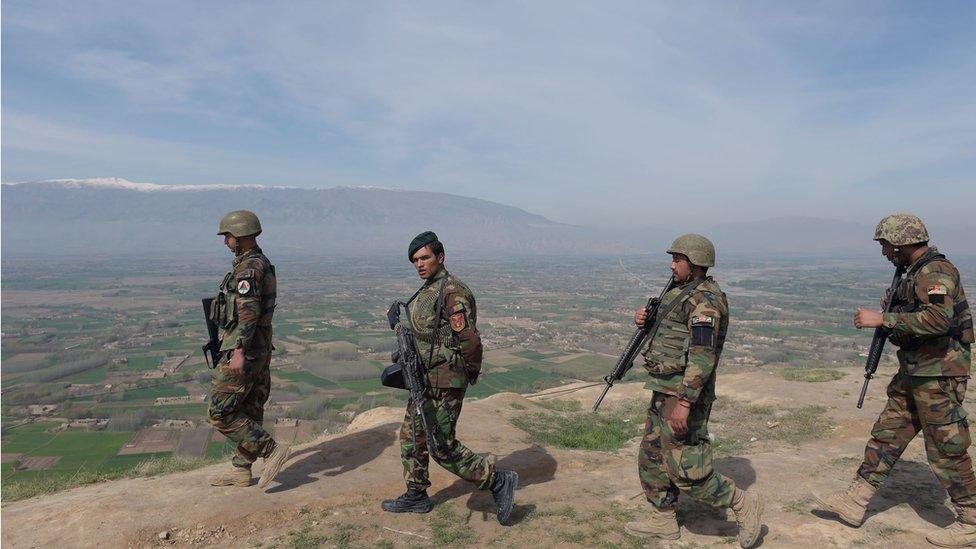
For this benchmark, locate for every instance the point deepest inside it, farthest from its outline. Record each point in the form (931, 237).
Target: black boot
(503, 491)
(413, 501)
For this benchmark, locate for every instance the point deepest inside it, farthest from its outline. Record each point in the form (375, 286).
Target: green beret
(419, 241)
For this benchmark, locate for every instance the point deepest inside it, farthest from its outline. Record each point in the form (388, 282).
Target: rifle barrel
(878, 341)
(603, 394)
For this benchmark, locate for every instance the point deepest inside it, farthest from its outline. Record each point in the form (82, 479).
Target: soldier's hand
(678, 419)
(867, 319)
(236, 366)
(640, 317)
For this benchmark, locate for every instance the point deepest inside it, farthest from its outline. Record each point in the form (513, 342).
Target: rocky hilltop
(329, 491)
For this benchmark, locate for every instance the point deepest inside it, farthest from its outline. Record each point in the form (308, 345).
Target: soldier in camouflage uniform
(450, 348)
(242, 379)
(675, 453)
(931, 324)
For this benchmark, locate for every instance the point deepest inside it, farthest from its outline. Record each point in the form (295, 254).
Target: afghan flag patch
(938, 289)
(703, 320)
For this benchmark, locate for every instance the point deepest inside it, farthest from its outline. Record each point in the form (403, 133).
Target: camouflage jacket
(683, 355)
(248, 292)
(457, 349)
(931, 322)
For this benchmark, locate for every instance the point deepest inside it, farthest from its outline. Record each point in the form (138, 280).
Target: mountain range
(116, 216)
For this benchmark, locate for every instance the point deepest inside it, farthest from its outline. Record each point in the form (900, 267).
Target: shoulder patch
(246, 273)
(458, 322)
(938, 289)
(702, 320)
(243, 287)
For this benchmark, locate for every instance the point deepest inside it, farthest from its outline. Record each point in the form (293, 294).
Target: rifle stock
(626, 360)
(878, 341)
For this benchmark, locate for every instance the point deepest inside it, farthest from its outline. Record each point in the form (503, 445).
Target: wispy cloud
(606, 114)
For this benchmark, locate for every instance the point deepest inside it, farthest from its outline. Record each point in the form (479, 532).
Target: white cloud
(602, 114)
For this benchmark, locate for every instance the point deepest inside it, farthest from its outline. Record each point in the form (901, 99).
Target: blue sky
(604, 114)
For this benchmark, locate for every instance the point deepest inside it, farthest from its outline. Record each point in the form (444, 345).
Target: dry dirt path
(330, 490)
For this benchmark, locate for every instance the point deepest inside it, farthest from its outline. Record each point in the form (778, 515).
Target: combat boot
(412, 501)
(748, 508)
(503, 487)
(660, 523)
(235, 476)
(851, 504)
(273, 464)
(961, 533)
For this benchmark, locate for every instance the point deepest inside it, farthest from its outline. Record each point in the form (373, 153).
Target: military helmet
(240, 223)
(698, 249)
(901, 230)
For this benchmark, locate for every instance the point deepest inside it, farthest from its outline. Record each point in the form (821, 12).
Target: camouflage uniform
(681, 360)
(243, 310)
(931, 323)
(456, 362)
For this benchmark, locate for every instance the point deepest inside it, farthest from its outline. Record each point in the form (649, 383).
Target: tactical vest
(667, 353)
(423, 319)
(223, 309)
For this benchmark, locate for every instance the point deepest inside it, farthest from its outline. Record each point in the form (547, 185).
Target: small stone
(753, 439)
(164, 535)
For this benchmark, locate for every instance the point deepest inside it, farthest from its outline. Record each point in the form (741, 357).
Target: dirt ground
(329, 492)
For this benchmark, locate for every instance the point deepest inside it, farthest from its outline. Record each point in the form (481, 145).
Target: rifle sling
(437, 325)
(661, 315)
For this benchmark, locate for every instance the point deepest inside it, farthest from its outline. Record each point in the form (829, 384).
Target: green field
(587, 367)
(515, 380)
(306, 377)
(150, 393)
(365, 385)
(534, 355)
(172, 344)
(78, 449)
(90, 376)
(219, 449)
(341, 370)
(142, 362)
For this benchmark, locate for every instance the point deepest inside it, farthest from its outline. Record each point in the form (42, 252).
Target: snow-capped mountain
(115, 215)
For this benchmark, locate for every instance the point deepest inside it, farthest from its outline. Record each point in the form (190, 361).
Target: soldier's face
(426, 263)
(891, 253)
(231, 242)
(680, 267)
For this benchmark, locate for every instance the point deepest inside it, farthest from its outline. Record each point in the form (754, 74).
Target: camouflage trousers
(236, 408)
(932, 405)
(443, 409)
(666, 464)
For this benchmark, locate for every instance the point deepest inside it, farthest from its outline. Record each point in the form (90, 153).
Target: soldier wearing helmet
(242, 380)
(931, 324)
(681, 358)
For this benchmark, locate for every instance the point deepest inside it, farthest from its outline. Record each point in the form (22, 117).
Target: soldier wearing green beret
(242, 379)
(675, 454)
(931, 323)
(444, 317)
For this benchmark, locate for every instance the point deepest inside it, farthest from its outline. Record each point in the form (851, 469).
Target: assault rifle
(626, 360)
(880, 335)
(407, 371)
(211, 350)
